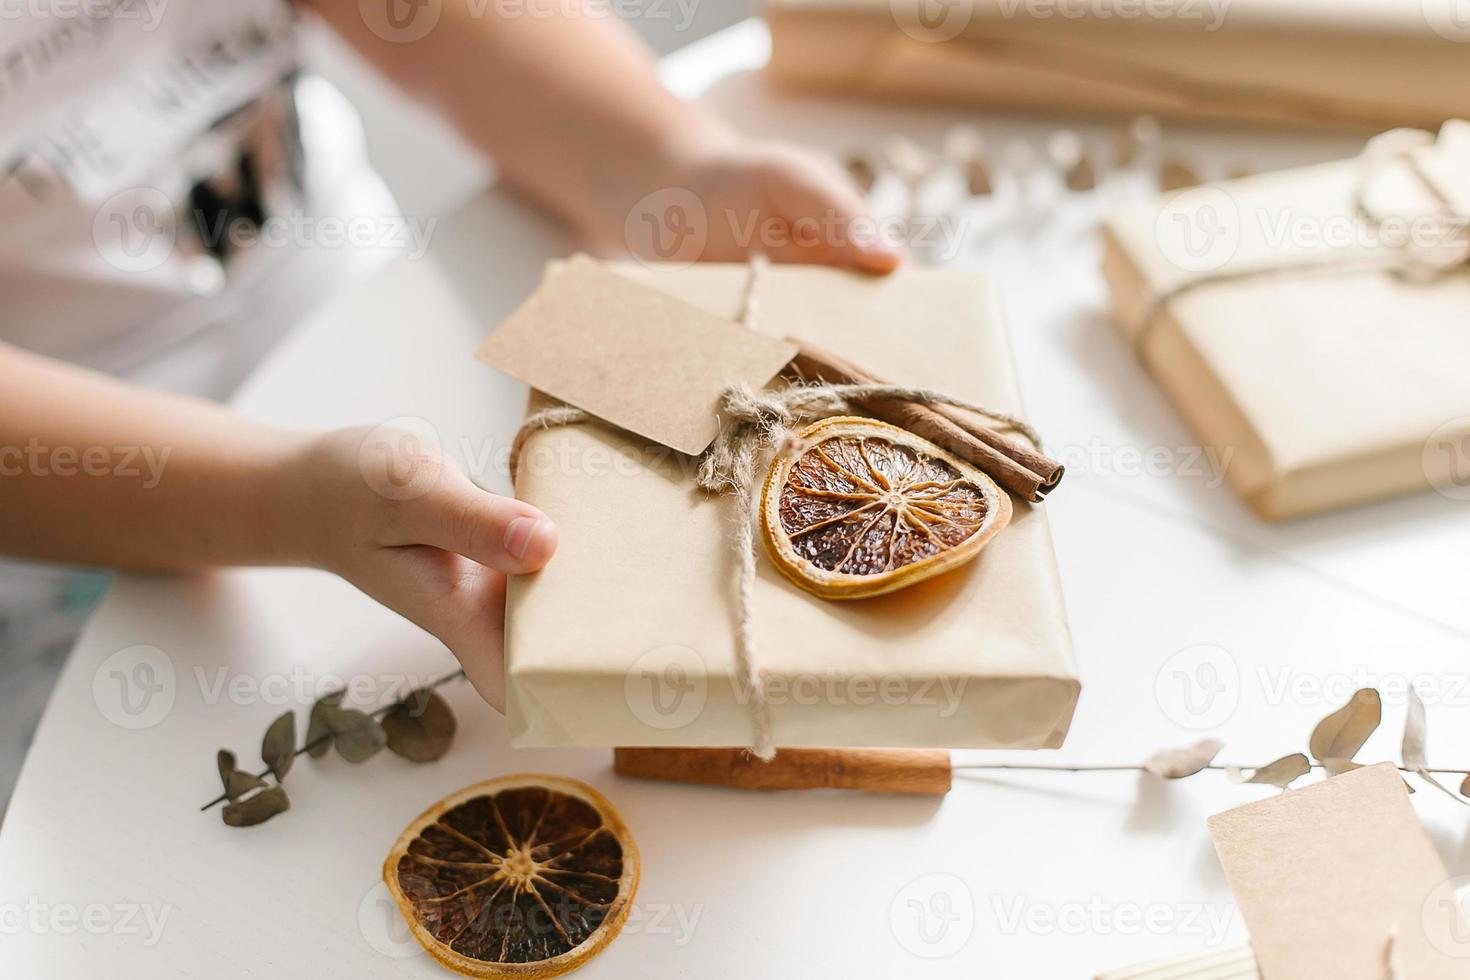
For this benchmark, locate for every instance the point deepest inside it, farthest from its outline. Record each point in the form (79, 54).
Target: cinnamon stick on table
(1022, 470)
(917, 772)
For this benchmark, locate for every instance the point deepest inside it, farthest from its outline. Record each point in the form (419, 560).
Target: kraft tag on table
(631, 355)
(1340, 880)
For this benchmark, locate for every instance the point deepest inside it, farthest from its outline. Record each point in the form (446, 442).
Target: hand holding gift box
(632, 638)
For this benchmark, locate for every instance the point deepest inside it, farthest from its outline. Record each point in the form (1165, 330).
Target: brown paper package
(1371, 63)
(1318, 388)
(626, 637)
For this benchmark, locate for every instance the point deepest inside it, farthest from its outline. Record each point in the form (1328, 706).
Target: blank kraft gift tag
(1324, 876)
(630, 354)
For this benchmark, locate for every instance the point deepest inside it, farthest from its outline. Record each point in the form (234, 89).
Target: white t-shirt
(174, 193)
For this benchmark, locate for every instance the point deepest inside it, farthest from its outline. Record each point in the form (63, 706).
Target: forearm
(93, 470)
(570, 107)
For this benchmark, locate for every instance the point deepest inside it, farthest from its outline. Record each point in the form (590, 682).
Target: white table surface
(108, 869)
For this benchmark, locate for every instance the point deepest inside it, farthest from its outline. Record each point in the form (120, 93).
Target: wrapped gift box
(1289, 334)
(1371, 63)
(627, 636)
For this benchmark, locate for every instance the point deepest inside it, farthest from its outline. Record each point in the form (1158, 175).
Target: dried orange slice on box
(864, 507)
(522, 876)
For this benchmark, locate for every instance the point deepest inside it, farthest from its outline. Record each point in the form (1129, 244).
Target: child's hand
(772, 198)
(404, 525)
(571, 110)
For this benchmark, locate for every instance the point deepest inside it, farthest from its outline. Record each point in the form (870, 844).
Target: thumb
(502, 533)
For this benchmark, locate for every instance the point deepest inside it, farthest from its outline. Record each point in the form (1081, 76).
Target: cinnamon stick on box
(1024, 471)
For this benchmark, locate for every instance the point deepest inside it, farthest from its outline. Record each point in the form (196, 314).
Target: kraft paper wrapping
(1371, 63)
(626, 637)
(1319, 385)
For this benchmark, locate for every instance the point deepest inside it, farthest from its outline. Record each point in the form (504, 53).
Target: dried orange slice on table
(863, 508)
(522, 876)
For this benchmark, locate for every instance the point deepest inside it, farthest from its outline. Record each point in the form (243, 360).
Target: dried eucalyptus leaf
(1082, 177)
(224, 759)
(1428, 777)
(1281, 773)
(1341, 734)
(278, 748)
(357, 736)
(237, 783)
(257, 809)
(421, 727)
(977, 178)
(317, 729)
(862, 171)
(1414, 733)
(1181, 762)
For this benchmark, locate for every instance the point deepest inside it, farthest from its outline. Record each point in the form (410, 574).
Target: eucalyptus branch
(1335, 742)
(328, 736)
(1138, 767)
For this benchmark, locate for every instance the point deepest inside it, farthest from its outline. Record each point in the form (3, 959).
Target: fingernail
(518, 535)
